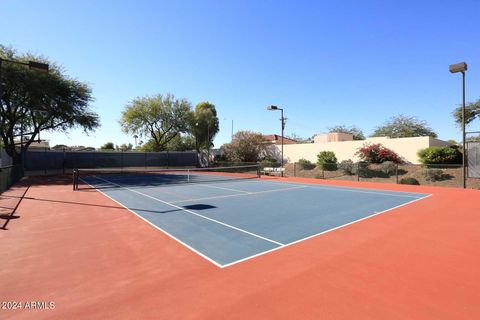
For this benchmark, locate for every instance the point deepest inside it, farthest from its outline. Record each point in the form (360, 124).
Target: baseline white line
(239, 195)
(323, 232)
(157, 227)
(194, 213)
(348, 189)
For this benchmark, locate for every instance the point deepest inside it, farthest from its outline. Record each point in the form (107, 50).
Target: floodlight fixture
(458, 67)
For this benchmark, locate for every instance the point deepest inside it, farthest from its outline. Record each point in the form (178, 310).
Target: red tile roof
(277, 139)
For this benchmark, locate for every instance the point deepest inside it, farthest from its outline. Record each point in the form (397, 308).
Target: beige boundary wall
(407, 148)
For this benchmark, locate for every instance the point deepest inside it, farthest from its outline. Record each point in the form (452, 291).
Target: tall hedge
(440, 155)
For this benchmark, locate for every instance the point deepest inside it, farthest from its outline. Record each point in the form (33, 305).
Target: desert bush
(305, 164)
(409, 180)
(377, 153)
(435, 175)
(347, 166)
(440, 155)
(327, 160)
(389, 168)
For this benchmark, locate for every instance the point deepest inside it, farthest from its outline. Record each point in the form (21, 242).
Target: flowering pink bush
(377, 153)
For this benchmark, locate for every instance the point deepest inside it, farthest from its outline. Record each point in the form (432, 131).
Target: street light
(455, 68)
(282, 120)
(32, 65)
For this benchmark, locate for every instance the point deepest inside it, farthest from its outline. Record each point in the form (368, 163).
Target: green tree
(124, 147)
(182, 143)
(205, 125)
(179, 143)
(356, 132)
(161, 118)
(31, 102)
(472, 112)
(108, 146)
(246, 146)
(402, 127)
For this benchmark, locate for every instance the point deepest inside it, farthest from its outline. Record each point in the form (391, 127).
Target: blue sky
(325, 62)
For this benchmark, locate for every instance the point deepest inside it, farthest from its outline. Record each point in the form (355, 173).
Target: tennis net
(131, 177)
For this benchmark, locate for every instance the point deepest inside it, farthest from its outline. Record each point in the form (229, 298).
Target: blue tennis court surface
(231, 221)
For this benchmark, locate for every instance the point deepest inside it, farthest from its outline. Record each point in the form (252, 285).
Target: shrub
(434, 175)
(377, 153)
(269, 158)
(327, 160)
(363, 169)
(347, 166)
(268, 163)
(389, 168)
(440, 155)
(412, 181)
(304, 164)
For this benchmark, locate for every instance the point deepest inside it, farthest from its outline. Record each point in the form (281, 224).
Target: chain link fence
(446, 175)
(9, 175)
(45, 162)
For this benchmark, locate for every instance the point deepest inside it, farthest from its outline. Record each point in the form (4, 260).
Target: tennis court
(228, 215)
(225, 244)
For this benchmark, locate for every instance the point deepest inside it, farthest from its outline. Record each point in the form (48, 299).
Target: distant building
(332, 137)
(42, 144)
(277, 139)
(60, 147)
(406, 148)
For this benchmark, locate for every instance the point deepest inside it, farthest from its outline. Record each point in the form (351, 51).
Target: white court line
(194, 213)
(271, 250)
(323, 232)
(229, 189)
(346, 189)
(239, 195)
(157, 227)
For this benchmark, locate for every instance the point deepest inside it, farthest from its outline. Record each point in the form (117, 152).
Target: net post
(188, 175)
(74, 178)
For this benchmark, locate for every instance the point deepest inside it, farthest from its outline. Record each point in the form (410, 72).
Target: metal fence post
(64, 159)
(396, 173)
(46, 160)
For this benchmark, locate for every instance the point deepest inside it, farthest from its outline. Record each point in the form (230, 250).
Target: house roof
(275, 138)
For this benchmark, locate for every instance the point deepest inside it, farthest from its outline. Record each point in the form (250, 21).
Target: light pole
(455, 68)
(282, 120)
(32, 65)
